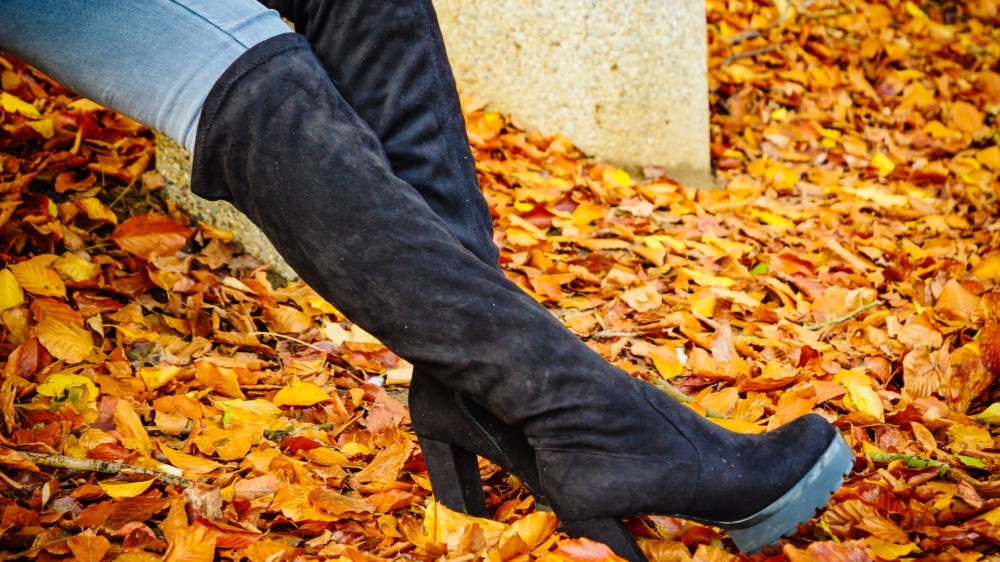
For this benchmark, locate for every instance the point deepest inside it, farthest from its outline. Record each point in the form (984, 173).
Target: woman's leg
(153, 60)
(276, 137)
(279, 140)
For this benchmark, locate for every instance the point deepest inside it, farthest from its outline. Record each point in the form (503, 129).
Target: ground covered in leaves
(850, 268)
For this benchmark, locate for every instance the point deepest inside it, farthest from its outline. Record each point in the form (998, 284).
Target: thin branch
(861, 308)
(750, 54)
(608, 334)
(103, 467)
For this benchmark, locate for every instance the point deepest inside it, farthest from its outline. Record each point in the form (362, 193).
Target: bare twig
(750, 54)
(861, 308)
(608, 334)
(103, 467)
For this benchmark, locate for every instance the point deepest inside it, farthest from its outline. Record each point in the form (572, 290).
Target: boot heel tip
(799, 504)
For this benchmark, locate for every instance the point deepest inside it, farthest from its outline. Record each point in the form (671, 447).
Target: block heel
(454, 474)
(609, 531)
(798, 505)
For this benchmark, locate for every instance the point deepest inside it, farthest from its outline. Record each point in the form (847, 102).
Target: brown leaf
(148, 235)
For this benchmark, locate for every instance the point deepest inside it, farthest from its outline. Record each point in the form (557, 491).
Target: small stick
(749, 54)
(104, 467)
(861, 308)
(608, 334)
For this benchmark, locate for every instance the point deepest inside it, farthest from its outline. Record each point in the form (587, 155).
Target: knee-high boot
(278, 140)
(388, 61)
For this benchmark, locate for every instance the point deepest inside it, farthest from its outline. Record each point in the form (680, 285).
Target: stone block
(626, 81)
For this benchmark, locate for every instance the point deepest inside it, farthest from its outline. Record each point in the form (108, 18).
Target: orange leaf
(287, 320)
(129, 426)
(385, 467)
(38, 278)
(64, 341)
(341, 506)
(221, 379)
(148, 235)
(88, 546)
(581, 550)
(191, 544)
(189, 463)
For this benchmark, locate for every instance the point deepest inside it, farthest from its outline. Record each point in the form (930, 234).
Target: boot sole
(798, 505)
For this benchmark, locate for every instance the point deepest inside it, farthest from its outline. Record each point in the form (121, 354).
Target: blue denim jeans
(152, 60)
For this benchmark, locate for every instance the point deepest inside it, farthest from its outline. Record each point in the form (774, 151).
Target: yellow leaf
(60, 385)
(64, 341)
(914, 10)
(615, 176)
(667, 362)
(11, 294)
(883, 164)
(866, 400)
(706, 280)
(44, 127)
(586, 213)
(14, 104)
(298, 393)
(38, 278)
(442, 525)
(704, 304)
(75, 268)
(739, 426)
(96, 211)
(990, 157)
(157, 376)
(129, 426)
(660, 241)
(889, 551)
(771, 219)
(189, 463)
(209, 231)
(125, 489)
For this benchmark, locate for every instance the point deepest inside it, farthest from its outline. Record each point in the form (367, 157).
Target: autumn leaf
(11, 294)
(148, 235)
(12, 104)
(298, 393)
(37, 277)
(88, 546)
(67, 342)
(191, 544)
(75, 268)
(124, 489)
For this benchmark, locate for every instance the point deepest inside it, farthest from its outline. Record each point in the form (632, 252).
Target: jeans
(152, 60)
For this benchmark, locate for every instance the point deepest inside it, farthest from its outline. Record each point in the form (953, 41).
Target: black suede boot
(278, 140)
(388, 61)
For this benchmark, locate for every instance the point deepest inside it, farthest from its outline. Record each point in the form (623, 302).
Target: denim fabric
(153, 60)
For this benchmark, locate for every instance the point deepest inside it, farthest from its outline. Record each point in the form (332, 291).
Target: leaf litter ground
(163, 398)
